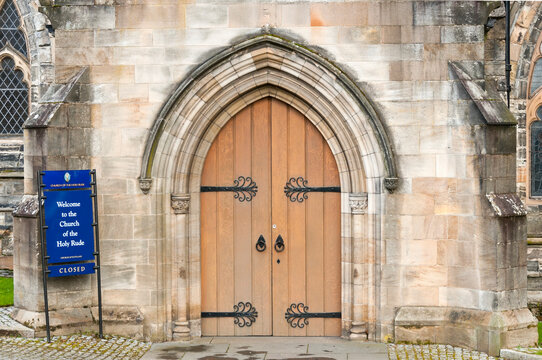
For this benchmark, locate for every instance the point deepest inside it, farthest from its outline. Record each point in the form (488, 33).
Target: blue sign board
(70, 235)
(71, 269)
(66, 179)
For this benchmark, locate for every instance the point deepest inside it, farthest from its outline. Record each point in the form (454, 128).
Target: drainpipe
(507, 66)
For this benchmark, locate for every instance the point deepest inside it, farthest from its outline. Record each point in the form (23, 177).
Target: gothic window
(14, 89)
(536, 155)
(13, 98)
(536, 79)
(10, 28)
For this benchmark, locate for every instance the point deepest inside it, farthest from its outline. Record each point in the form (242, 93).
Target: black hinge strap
(296, 189)
(244, 314)
(298, 315)
(244, 188)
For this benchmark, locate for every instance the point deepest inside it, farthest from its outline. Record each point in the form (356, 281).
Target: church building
(282, 168)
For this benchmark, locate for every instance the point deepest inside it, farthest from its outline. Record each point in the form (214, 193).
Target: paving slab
(348, 347)
(268, 348)
(272, 356)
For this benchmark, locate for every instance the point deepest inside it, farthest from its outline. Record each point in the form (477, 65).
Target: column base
(181, 331)
(358, 331)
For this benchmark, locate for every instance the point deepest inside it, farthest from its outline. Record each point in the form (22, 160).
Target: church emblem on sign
(67, 177)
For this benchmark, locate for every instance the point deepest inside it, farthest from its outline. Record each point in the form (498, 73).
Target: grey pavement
(268, 348)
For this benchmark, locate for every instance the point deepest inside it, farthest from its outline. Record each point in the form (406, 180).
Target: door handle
(260, 244)
(279, 244)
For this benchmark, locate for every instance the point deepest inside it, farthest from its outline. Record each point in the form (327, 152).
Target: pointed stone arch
(269, 60)
(269, 66)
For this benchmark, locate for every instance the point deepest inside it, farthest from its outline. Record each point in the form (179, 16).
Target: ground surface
(88, 347)
(71, 348)
(16, 347)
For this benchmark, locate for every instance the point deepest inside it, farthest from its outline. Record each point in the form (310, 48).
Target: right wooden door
(293, 281)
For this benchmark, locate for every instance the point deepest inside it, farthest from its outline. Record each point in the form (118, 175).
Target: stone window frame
(22, 64)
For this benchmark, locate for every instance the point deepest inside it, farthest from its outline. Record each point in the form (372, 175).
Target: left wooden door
(235, 275)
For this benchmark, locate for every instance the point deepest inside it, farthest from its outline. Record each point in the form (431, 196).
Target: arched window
(14, 71)
(536, 154)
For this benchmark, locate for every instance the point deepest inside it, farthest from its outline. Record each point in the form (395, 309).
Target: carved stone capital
(180, 203)
(145, 185)
(358, 203)
(391, 183)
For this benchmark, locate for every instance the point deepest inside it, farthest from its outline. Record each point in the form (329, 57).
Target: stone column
(358, 205)
(181, 204)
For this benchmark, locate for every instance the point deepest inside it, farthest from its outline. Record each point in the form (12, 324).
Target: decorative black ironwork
(296, 189)
(279, 244)
(298, 315)
(10, 28)
(260, 244)
(13, 98)
(244, 314)
(244, 188)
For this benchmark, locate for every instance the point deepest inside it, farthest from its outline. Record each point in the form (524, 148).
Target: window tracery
(536, 154)
(14, 71)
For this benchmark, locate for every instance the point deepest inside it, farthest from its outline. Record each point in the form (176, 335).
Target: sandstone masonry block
(150, 16)
(81, 17)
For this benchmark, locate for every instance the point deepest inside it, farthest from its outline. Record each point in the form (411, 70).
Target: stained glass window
(536, 157)
(13, 98)
(10, 32)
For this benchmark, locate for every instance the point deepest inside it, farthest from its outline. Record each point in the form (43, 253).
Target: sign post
(69, 229)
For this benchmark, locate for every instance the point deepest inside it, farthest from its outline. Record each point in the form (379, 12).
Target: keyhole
(278, 261)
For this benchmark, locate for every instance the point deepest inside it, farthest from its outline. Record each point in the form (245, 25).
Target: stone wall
(525, 31)
(11, 189)
(433, 242)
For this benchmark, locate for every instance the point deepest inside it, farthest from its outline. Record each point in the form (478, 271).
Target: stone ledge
(474, 329)
(510, 354)
(62, 322)
(10, 327)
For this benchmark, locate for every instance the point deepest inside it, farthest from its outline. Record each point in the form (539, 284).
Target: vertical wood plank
(271, 142)
(295, 241)
(332, 244)
(315, 228)
(261, 216)
(279, 208)
(225, 212)
(242, 249)
(208, 244)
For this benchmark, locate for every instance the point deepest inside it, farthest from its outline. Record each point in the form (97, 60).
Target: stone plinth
(485, 331)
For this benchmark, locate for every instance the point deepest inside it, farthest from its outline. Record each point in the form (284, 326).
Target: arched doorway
(270, 227)
(268, 66)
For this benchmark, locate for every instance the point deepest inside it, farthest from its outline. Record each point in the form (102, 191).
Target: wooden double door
(270, 227)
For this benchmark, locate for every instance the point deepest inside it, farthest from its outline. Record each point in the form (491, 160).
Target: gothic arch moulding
(269, 66)
(275, 67)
